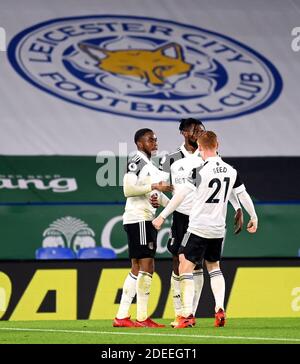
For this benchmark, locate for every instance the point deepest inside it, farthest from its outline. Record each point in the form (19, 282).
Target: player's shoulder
(135, 164)
(136, 158)
(235, 174)
(167, 160)
(198, 168)
(177, 154)
(229, 166)
(230, 170)
(174, 156)
(195, 175)
(219, 162)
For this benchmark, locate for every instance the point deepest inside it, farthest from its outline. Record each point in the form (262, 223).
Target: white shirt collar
(187, 154)
(216, 158)
(144, 156)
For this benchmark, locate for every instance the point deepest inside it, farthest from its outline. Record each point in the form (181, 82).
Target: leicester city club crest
(145, 68)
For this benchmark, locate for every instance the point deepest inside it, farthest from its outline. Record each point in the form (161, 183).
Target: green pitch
(236, 331)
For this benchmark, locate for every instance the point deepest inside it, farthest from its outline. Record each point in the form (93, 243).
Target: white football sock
(128, 294)
(217, 284)
(175, 287)
(198, 280)
(187, 290)
(142, 297)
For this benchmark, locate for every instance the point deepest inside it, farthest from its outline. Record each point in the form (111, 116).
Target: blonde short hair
(208, 140)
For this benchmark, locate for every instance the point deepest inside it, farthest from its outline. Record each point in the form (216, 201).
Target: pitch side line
(150, 334)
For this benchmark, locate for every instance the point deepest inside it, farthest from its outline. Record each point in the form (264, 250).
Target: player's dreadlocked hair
(186, 123)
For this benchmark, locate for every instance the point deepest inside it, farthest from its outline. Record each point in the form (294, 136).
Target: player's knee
(146, 265)
(135, 268)
(176, 265)
(135, 271)
(212, 265)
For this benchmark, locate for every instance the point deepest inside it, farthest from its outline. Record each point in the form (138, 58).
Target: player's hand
(162, 186)
(238, 221)
(252, 226)
(157, 222)
(154, 200)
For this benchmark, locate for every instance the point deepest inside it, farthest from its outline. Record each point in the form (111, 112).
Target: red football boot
(193, 319)
(148, 323)
(176, 322)
(185, 322)
(220, 318)
(124, 322)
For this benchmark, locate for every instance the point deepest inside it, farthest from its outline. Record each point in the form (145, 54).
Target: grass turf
(236, 331)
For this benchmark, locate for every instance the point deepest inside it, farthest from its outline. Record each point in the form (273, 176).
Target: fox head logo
(149, 66)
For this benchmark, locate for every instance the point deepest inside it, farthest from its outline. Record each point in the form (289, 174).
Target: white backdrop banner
(79, 77)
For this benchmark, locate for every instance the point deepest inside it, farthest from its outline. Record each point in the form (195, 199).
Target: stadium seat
(96, 253)
(55, 253)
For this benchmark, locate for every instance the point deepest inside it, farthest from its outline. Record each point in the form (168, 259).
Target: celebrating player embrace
(178, 165)
(212, 184)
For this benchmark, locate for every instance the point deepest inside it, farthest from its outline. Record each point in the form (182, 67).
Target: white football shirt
(142, 172)
(212, 184)
(179, 166)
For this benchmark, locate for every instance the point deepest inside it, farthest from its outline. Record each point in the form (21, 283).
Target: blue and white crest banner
(104, 73)
(145, 68)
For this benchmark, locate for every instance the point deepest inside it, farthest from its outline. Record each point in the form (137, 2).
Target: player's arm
(238, 217)
(165, 164)
(163, 200)
(158, 199)
(247, 203)
(191, 185)
(131, 188)
(175, 201)
(234, 201)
